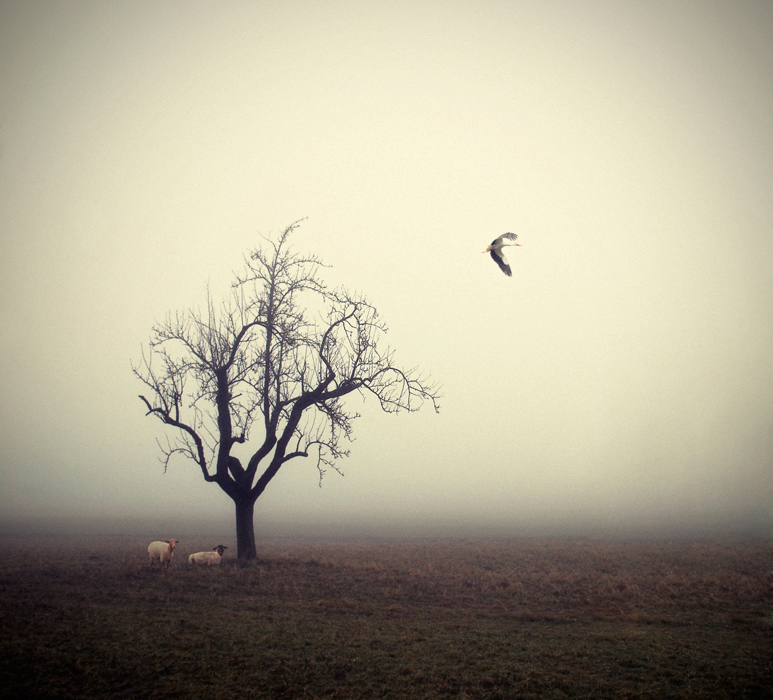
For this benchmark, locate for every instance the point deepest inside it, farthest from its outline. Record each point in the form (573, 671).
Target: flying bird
(496, 251)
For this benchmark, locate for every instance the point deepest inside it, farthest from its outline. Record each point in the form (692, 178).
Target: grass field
(414, 619)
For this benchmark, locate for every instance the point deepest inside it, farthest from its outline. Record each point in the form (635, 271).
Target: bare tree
(268, 368)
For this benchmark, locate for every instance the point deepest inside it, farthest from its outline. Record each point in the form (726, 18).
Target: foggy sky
(622, 379)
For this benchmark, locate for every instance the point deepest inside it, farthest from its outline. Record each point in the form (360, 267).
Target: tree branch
(269, 369)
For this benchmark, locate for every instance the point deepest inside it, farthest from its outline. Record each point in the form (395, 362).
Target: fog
(619, 384)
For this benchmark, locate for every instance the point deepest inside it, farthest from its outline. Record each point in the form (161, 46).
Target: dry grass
(455, 619)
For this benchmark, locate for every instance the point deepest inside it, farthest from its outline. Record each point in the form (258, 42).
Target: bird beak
(487, 250)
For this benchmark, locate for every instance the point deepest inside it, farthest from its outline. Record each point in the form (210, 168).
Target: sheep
(162, 551)
(208, 558)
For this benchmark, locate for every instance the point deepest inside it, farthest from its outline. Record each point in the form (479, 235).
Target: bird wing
(504, 239)
(499, 258)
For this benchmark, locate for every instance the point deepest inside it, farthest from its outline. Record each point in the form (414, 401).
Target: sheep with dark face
(162, 552)
(207, 558)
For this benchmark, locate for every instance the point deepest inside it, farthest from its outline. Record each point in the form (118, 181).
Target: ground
(88, 618)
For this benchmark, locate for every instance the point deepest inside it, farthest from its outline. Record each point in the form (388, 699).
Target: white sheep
(208, 558)
(162, 551)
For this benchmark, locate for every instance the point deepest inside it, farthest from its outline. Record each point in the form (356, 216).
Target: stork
(496, 251)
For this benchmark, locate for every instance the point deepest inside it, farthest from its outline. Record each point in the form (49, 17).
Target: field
(414, 619)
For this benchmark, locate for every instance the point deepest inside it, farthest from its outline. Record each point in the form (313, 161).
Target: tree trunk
(245, 529)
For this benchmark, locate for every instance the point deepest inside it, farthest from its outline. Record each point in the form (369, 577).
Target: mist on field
(619, 384)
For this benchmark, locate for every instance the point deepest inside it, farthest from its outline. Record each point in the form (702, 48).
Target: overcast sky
(621, 379)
